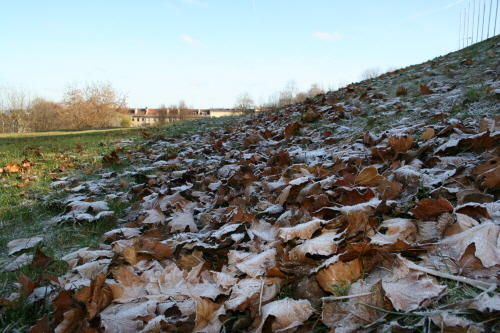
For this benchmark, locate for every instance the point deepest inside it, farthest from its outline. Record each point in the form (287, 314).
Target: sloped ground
(372, 208)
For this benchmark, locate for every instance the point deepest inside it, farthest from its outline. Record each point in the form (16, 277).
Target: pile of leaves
(276, 224)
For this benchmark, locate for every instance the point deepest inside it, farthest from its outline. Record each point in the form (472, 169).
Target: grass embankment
(28, 202)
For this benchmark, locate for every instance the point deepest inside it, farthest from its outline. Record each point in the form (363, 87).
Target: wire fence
(476, 22)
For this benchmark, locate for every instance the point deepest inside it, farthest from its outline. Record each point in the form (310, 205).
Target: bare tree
(15, 103)
(47, 115)
(184, 110)
(288, 95)
(370, 73)
(244, 102)
(316, 89)
(163, 112)
(93, 105)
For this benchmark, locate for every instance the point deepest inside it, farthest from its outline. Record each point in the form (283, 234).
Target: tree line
(91, 105)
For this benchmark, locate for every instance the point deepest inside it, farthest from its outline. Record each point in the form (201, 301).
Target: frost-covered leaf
(24, 243)
(256, 264)
(409, 292)
(395, 229)
(124, 318)
(207, 316)
(248, 292)
(283, 315)
(303, 230)
(128, 286)
(323, 245)
(21, 261)
(485, 237)
(182, 221)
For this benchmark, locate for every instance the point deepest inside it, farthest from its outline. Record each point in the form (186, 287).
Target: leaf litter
(379, 225)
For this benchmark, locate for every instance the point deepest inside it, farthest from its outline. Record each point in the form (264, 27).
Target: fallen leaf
(41, 260)
(22, 244)
(427, 208)
(339, 273)
(283, 315)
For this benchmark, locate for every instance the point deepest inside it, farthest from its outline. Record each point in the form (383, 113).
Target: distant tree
(244, 102)
(126, 120)
(370, 73)
(184, 110)
(315, 89)
(162, 114)
(93, 105)
(47, 115)
(288, 95)
(15, 103)
(391, 69)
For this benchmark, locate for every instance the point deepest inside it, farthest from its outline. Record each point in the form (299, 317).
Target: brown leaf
(425, 90)
(27, 285)
(428, 134)
(41, 260)
(42, 326)
(339, 273)
(292, 129)
(96, 297)
(12, 167)
(128, 285)
(207, 316)
(71, 320)
(389, 190)
(400, 144)
(368, 177)
(484, 236)
(427, 208)
(62, 303)
(354, 196)
(146, 245)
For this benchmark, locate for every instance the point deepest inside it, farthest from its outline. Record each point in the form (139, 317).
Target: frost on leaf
(128, 287)
(207, 316)
(21, 244)
(250, 292)
(283, 315)
(357, 216)
(485, 238)
(350, 315)
(256, 264)
(127, 318)
(395, 229)
(450, 323)
(303, 230)
(183, 221)
(323, 245)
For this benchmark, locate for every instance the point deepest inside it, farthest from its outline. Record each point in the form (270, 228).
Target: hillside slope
(371, 208)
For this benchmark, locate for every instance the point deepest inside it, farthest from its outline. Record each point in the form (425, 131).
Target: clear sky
(208, 51)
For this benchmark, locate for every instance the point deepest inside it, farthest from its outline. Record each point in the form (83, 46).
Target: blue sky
(208, 51)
